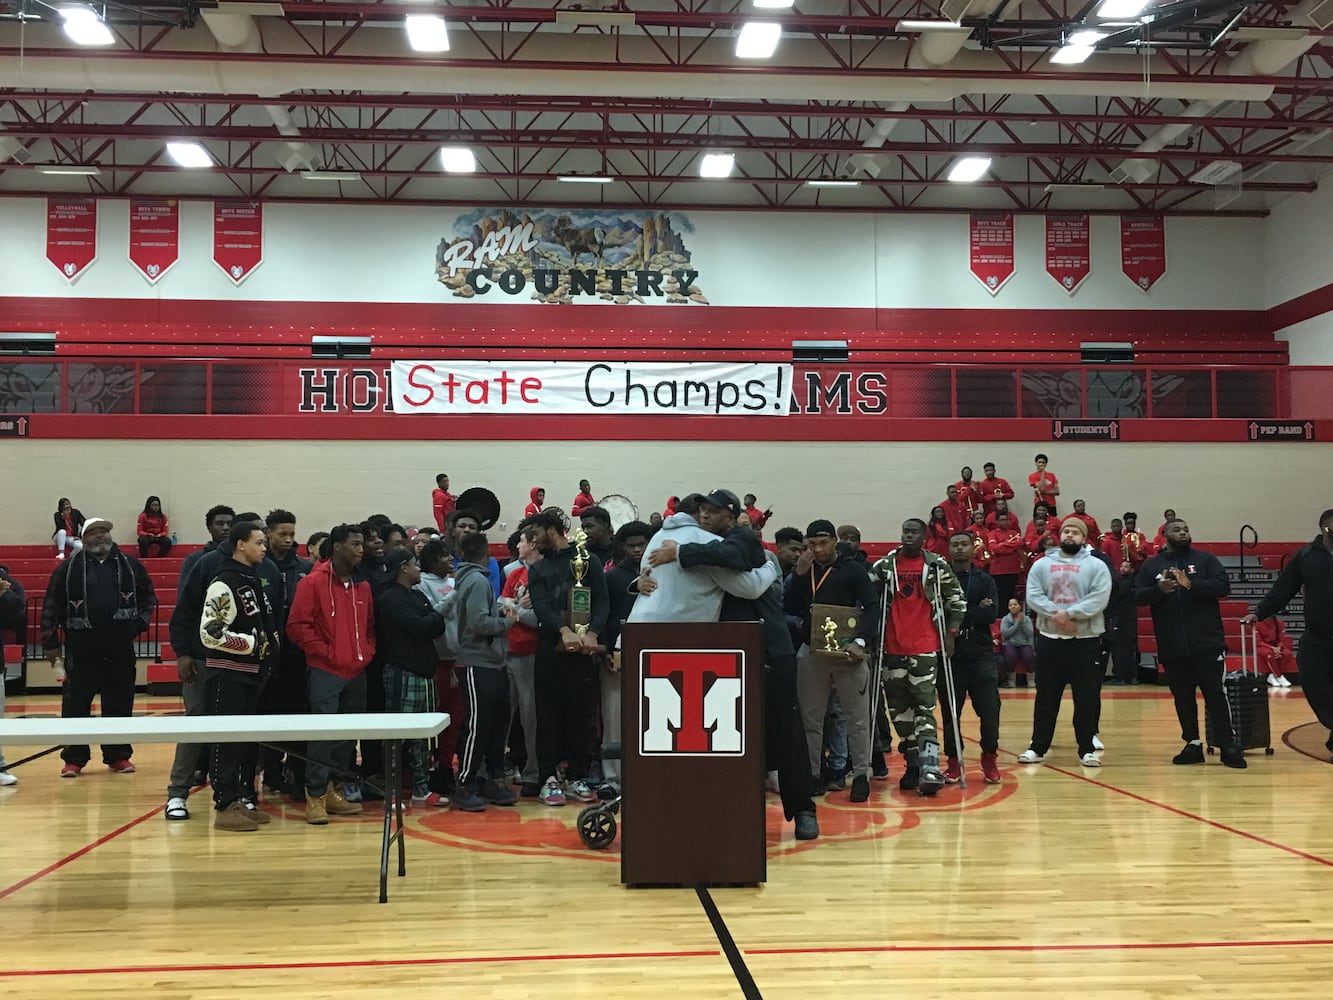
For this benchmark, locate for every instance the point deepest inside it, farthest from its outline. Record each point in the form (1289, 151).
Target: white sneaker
(1274, 681)
(1285, 683)
(1030, 756)
(1090, 760)
(1097, 743)
(8, 779)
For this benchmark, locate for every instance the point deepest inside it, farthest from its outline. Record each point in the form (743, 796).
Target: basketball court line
(368, 963)
(56, 865)
(749, 989)
(1106, 946)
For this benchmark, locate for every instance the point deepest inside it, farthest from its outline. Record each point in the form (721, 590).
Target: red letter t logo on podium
(692, 699)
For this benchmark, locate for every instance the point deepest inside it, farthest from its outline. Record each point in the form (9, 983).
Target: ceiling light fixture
(1122, 8)
(427, 33)
(969, 168)
(717, 164)
(1085, 37)
(831, 182)
(458, 159)
(189, 154)
(1072, 55)
(331, 175)
(911, 25)
(774, 4)
(68, 169)
(84, 27)
(758, 39)
(583, 179)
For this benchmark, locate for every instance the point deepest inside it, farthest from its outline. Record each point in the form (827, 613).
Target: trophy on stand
(832, 628)
(580, 596)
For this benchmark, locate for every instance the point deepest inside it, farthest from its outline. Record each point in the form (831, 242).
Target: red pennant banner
(1143, 249)
(71, 234)
(154, 235)
(991, 248)
(1068, 249)
(238, 237)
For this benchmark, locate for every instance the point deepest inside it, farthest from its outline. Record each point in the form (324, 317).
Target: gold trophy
(580, 596)
(838, 624)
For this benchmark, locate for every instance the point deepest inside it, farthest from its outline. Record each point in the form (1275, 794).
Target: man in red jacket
(538, 496)
(1006, 547)
(993, 488)
(584, 500)
(442, 501)
(333, 621)
(1094, 533)
(956, 510)
(969, 493)
(758, 518)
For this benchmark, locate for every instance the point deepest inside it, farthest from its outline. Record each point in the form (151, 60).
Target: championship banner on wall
(238, 237)
(991, 248)
(597, 387)
(154, 236)
(71, 234)
(1068, 249)
(1143, 249)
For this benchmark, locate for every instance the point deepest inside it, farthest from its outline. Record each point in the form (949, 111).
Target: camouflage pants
(909, 690)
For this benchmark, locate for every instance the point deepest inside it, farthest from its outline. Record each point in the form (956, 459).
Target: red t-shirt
(1047, 498)
(522, 638)
(910, 630)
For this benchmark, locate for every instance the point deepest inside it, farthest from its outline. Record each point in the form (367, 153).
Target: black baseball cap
(395, 559)
(821, 528)
(725, 499)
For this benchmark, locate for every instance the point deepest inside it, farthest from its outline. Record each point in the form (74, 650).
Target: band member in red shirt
(1159, 542)
(1006, 548)
(1045, 487)
(758, 518)
(442, 501)
(969, 493)
(1002, 507)
(584, 500)
(538, 497)
(958, 514)
(1094, 533)
(981, 553)
(938, 532)
(1038, 528)
(993, 488)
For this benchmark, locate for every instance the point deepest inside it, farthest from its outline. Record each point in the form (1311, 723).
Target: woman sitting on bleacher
(153, 530)
(69, 528)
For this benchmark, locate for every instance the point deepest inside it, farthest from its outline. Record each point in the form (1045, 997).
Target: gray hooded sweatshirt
(1079, 585)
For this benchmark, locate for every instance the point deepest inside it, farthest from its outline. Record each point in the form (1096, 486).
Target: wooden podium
(692, 754)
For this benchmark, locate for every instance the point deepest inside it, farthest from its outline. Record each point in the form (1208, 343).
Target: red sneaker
(954, 772)
(71, 770)
(122, 766)
(990, 769)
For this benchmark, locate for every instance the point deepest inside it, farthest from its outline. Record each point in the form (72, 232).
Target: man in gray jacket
(1068, 588)
(482, 624)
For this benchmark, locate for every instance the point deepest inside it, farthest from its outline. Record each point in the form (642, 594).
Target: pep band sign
(591, 387)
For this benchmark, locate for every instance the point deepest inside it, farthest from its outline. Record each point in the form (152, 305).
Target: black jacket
(183, 629)
(76, 518)
(238, 626)
(741, 550)
(847, 584)
(549, 582)
(621, 600)
(13, 606)
(1309, 569)
(406, 629)
(105, 613)
(1186, 622)
(974, 637)
(1122, 588)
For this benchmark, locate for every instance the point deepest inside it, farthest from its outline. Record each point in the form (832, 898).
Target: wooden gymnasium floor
(1137, 880)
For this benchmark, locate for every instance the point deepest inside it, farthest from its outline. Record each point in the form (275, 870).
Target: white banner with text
(613, 387)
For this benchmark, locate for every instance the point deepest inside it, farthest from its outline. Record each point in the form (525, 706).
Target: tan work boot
(234, 819)
(315, 812)
(337, 805)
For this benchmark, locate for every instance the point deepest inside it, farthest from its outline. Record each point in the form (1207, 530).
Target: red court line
(1109, 946)
(78, 854)
(1189, 815)
(362, 964)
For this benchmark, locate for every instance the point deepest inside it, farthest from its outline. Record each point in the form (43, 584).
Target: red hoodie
(1005, 545)
(522, 638)
(957, 513)
(534, 507)
(333, 622)
(442, 505)
(937, 539)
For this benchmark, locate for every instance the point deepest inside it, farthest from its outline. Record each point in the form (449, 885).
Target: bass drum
(621, 509)
(484, 503)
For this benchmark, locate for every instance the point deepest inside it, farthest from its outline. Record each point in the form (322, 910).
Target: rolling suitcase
(1247, 697)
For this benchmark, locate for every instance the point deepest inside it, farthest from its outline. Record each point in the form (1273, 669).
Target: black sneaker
(837, 782)
(911, 778)
(879, 768)
(817, 786)
(1234, 756)
(860, 788)
(496, 794)
(807, 826)
(530, 790)
(1192, 754)
(467, 799)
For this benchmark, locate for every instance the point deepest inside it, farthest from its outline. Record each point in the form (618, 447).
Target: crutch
(938, 602)
(877, 690)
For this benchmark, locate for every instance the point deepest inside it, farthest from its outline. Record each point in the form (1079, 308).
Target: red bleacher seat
(13, 654)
